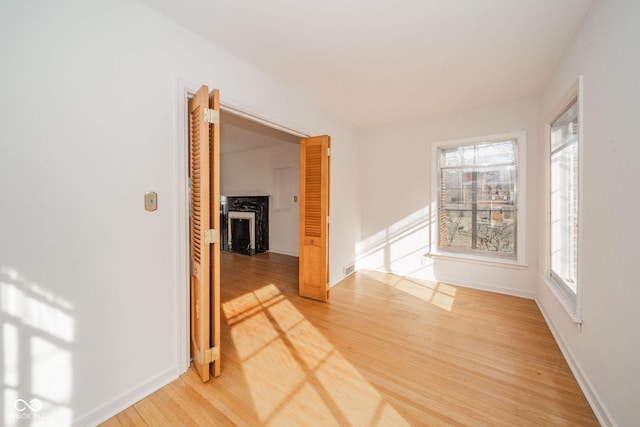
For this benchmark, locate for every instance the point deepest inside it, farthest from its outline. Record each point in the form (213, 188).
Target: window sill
(475, 259)
(564, 300)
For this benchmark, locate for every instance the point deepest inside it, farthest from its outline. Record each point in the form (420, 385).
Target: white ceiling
(381, 61)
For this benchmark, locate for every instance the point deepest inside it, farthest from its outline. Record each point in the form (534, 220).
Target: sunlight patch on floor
(439, 294)
(444, 296)
(273, 339)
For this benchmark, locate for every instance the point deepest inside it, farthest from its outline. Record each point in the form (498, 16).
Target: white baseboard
(599, 409)
(126, 399)
(484, 287)
(283, 252)
(492, 288)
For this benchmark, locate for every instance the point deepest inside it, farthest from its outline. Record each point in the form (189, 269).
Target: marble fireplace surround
(244, 207)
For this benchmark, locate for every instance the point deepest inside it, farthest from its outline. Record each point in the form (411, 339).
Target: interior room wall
(285, 213)
(246, 173)
(396, 197)
(253, 173)
(604, 354)
(88, 278)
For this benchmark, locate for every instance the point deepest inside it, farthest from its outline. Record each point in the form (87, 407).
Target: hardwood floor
(386, 350)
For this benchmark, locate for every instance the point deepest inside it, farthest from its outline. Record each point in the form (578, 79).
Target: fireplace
(244, 224)
(241, 232)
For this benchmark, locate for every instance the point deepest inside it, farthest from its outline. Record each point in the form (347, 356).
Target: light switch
(295, 199)
(151, 201)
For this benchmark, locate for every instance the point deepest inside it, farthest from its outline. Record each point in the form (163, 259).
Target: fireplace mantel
(256, 204)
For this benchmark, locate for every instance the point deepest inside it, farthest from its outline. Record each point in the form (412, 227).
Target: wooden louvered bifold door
(314, 217)
(199, 222)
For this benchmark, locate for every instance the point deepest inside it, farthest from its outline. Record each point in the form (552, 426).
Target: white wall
(252, 172)
(88, 279)
(605, 353)
(246, 173)
(396, 197)
(284, 223)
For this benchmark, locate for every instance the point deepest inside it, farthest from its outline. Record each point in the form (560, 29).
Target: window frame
(572, 303)
(475, 256)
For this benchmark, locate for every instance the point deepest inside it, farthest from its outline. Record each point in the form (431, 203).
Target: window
(563, 198)
(478, 187)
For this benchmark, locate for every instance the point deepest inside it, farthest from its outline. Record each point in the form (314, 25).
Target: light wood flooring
(385, 350)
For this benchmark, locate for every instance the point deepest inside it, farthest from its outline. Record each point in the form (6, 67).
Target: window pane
(459, 156)
(477, 204)
(481, 154)
(496, 153)
(496, 233)
(494, 230)
(564, 214)
(564, 197)
(453, 190)
(497, 185)
(458, 229)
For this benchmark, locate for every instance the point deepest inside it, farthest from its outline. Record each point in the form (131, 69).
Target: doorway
(259, 182)
(185, 91)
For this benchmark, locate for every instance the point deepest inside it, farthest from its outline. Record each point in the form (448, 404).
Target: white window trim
(521, 197)
(573, 308)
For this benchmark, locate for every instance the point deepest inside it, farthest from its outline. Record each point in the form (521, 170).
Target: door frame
(183, 91)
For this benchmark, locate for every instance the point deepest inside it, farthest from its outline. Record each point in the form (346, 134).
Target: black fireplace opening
(240, 236)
